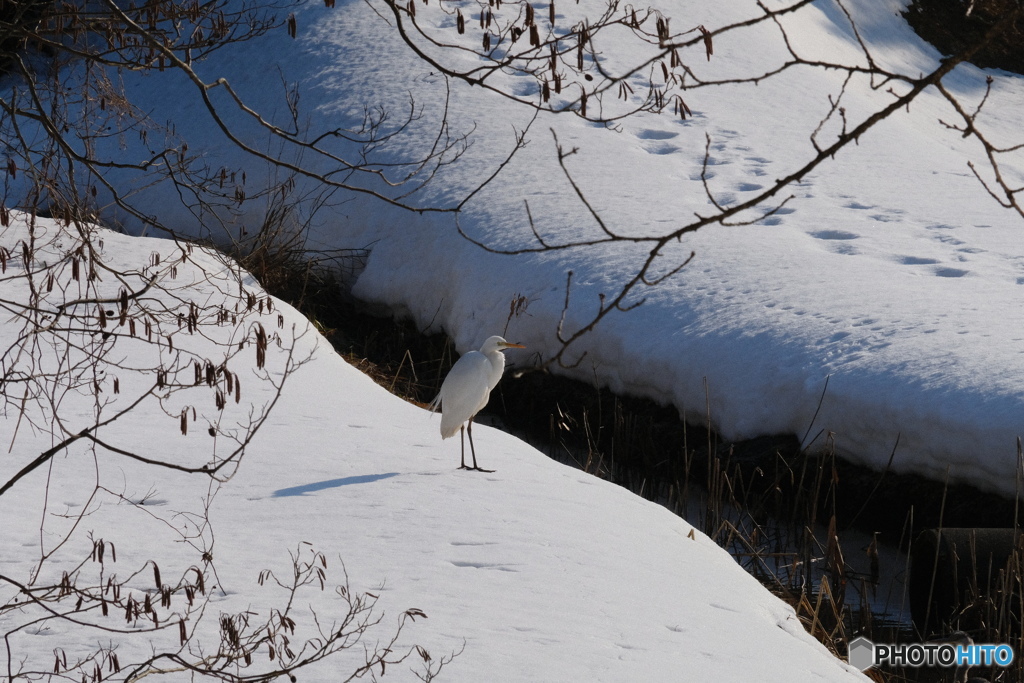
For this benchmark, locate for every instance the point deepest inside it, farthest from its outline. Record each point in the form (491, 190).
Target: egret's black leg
(469, 428)
(462, 438)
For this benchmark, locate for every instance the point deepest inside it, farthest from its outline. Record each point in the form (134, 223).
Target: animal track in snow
(653, 141)
(662, 148)
(951, 272)
(834, 235)
(654, 134)
(838, 238)
(917, 261)
(776, 217)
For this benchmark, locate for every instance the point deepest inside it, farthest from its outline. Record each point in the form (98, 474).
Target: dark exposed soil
(946, 25)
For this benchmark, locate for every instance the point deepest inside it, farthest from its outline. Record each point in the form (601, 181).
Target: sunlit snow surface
(891, 273)
(537, 572)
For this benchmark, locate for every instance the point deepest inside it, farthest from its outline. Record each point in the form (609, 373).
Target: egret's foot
(480, 469)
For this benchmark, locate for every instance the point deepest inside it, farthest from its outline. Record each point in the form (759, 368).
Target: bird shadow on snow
(331, 484)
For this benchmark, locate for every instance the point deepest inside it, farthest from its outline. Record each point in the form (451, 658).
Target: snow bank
(890, 273)
(539, 571)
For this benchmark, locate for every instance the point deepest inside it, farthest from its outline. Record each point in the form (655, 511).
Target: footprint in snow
(654, 134)
(951, 272)
(834, 235)
(660, 148)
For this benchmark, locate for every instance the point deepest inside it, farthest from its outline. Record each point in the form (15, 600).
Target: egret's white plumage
(467, 388)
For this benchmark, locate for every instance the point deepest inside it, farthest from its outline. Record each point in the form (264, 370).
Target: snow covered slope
(540, 572)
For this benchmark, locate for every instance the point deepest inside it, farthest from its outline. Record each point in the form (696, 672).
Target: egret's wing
(464, 392)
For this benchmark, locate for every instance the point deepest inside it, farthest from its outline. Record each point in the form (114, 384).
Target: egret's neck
(497, 359)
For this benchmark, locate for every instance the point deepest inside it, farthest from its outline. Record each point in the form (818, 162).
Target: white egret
(467, 388)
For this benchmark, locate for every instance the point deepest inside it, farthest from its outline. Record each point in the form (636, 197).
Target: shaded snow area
(890, 273)
(537, 572)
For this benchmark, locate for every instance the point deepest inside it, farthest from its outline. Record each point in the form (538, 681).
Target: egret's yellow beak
(510, 345)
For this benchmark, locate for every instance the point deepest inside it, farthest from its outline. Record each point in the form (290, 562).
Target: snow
(890, 273)
(535, 572)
